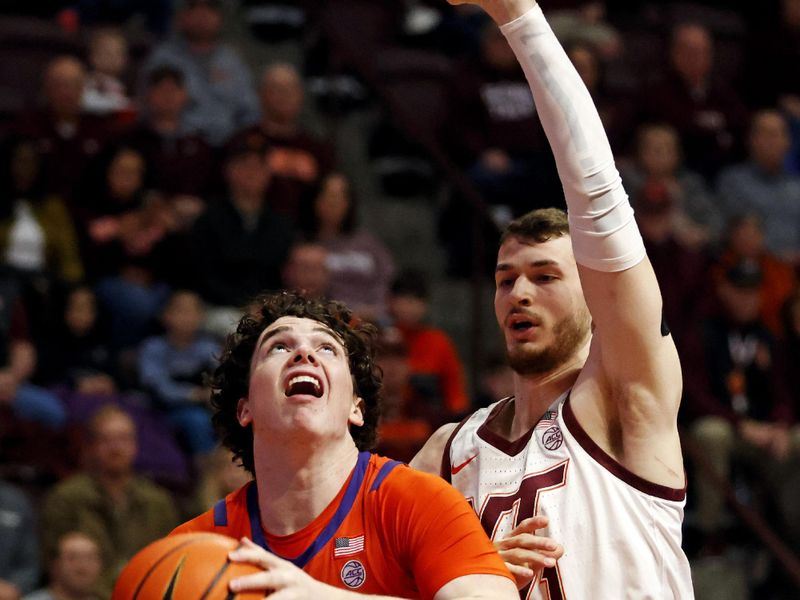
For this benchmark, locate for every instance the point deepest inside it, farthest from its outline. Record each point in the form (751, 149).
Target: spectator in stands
(221, 476)
(762, 186)
(297, 159)
(493, 131)
(681, 271)
(104, 92)
(586, 24)
(239, 244)
(407, 420)
(219, 83)
(745, 419)
(744, 241)
(37, 236)
(658, 161)
(79, 355)
(182, 161)
(615, 110)
(126, 223)
(66, 137)
(360, 266)
(74, 569)
(437, 374)
(706, 113)
(108, 500)
(306, 270)
(172, 368)
(18, 363)
(19, 553)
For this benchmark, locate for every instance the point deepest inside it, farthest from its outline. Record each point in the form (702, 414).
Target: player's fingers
(252, 553)
(519, 572)
(265, 580)
(528, 558)
(526, 540)
(531, 524)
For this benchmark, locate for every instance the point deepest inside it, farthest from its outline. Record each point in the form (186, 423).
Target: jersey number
(521, 505)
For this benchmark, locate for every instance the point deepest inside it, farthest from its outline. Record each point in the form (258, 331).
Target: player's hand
(280, 578)
(527, 554)
(502, 11)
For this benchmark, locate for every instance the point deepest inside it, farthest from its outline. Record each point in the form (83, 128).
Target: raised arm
(633, 365)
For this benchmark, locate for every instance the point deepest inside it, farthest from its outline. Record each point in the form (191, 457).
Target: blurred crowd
(152, 182)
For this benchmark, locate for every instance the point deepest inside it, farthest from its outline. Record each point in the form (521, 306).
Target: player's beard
(570, 334)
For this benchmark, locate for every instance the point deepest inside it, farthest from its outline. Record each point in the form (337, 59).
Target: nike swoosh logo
(456, 470)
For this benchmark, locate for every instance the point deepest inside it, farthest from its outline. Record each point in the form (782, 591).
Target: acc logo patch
(353, 574)
(552, 438)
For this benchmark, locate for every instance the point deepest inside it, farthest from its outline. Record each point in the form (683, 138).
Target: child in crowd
(172, 367)
(105, 93)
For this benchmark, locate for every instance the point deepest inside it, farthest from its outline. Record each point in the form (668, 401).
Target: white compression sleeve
(604, 233)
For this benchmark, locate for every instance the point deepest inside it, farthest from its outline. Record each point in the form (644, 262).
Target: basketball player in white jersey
(589, 441)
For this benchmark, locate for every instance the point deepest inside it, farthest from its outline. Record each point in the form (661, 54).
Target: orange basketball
(188, 566)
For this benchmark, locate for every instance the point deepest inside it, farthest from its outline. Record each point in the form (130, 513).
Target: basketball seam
(158, 562)
(214, 581)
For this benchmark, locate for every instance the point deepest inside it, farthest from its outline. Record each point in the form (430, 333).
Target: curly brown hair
(230, 381)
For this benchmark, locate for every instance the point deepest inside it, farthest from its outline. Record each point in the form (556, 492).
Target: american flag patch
(547, 420)
(345, 546)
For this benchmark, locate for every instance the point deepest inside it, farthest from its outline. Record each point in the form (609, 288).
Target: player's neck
(295, 486)
(533, 394)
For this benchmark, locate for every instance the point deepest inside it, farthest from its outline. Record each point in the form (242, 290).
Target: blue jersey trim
(221, 514)
(385, 470)
(350, 495)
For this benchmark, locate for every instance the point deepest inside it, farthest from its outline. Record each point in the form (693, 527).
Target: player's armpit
(477, 587)
(429, 458)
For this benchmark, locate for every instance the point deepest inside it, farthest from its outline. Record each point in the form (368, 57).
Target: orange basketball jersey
(390, 530)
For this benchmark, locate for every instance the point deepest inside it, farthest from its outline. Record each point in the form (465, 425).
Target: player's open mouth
(306, 385)
(521, 322)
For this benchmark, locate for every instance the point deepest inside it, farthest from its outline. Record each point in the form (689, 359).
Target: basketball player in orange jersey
(589, 441)
(296, 395)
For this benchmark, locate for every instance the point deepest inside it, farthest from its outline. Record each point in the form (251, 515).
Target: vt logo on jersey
(345, 546)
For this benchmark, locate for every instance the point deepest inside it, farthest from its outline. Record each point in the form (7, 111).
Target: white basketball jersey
(621, 534)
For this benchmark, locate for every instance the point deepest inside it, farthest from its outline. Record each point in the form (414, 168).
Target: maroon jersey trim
(613, 467)
(498, 441)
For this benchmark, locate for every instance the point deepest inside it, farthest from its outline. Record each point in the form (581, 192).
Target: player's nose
(522, 293)
(304, 354)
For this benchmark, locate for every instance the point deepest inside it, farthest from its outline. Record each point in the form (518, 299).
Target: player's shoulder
(400, 482)
(232, 508)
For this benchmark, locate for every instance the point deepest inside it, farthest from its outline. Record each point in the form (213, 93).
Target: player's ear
(357, 411)
(243, 412)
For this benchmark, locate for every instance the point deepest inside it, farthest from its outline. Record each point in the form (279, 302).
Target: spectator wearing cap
(745, 416)
(219, 83)
(437, 374)
(298, 160)
(764, 187)
(182, 161)
(239, 244)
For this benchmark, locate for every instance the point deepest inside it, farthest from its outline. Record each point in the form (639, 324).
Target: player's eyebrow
(284, 328)
(545, 262)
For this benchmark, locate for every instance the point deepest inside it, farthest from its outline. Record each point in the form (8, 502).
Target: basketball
(189, 566)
